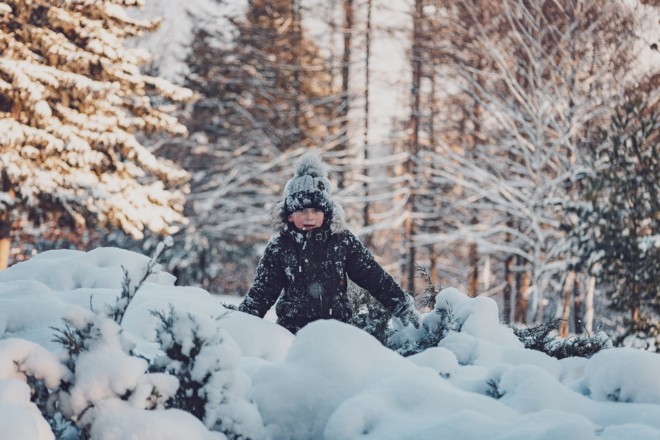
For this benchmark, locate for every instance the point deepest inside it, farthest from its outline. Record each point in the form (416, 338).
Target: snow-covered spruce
(204, 359)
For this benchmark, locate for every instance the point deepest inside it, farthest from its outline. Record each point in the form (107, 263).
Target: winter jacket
(308, 272)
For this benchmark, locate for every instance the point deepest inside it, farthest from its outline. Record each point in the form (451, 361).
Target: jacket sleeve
(363, 269)
(268, 283)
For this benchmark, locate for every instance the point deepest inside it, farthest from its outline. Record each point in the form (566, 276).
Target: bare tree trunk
(589, 306)
(433, 267)
(365, 185)
(473, 277)
(414, 139)
(507, 298)
(344, 105)
(433, 111)
(634, 309)
(5, 226)
(295, 6)
(569, 284)
(522, 292)
(522, 297)
(578, 298)
(5, 239)
(332, 38)
(508, 290)
(526, 285)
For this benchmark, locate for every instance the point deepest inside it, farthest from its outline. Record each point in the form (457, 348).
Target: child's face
(308, 218)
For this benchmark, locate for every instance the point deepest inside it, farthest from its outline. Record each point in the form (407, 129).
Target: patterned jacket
(308, 272)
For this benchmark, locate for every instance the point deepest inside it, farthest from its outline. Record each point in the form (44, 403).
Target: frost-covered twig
(543, 338)
(128, 292)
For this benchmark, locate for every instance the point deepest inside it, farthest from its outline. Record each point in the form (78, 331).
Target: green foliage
(203, 360)
(543, 338)
(494, 389)
(117, 311)
(179, 362)
(74, 339)
(645, 337)
(427, 299)
(435, 327)
(616, 228)
(368, 314)
(86, 333)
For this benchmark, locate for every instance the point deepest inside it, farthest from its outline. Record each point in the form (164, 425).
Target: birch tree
(550, 75)
(73, 101)
(446, 118)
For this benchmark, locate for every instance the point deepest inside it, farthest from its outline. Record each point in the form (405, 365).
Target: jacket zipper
(302, 248)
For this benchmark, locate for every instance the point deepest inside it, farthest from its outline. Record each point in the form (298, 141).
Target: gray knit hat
(309, 187)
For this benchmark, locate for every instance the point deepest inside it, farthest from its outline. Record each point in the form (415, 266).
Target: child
(307, 263)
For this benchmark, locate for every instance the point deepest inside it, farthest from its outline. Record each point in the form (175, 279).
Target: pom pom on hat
(309, 187)
(310, 164)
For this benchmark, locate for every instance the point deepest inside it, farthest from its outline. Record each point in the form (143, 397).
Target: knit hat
(309, 187)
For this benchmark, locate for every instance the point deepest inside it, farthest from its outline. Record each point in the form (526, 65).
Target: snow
(118, 421)
(20, 418)
(170, 42)
(330, 381)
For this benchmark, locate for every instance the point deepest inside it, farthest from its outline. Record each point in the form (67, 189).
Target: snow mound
(332, 381)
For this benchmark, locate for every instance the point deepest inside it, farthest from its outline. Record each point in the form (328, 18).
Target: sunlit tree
(72, 103)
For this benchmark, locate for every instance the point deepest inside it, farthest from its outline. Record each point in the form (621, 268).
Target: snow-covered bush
(434, 327)
(102, 362)
(104, 368)
(99, 381)
(544, 338)
(368, 314)
(443, 320)
(647, 337)
(330, 381)
(204, 359)
(30, 371)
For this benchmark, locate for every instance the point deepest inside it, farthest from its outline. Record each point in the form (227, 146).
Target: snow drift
(331, 381)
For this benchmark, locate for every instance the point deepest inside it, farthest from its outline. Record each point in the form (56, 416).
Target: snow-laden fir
(331, 381)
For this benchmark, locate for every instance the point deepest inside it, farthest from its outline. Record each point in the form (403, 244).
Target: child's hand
(415, 318)
(411, 316)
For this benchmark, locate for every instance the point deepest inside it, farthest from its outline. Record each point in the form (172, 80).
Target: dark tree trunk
(5, 225)
(365, 186)
(413, 148)
(569, 285)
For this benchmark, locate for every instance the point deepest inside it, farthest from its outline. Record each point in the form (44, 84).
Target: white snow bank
(331, 381)
(20, 418)
(115, 420)
(641, 383)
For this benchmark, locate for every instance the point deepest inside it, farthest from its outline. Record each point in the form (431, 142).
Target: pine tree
(72, 103)
(616, 229)
(266, 87)
(265, 97)
(204, 359)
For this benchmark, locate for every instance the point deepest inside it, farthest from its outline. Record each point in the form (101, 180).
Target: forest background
(507, 148)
